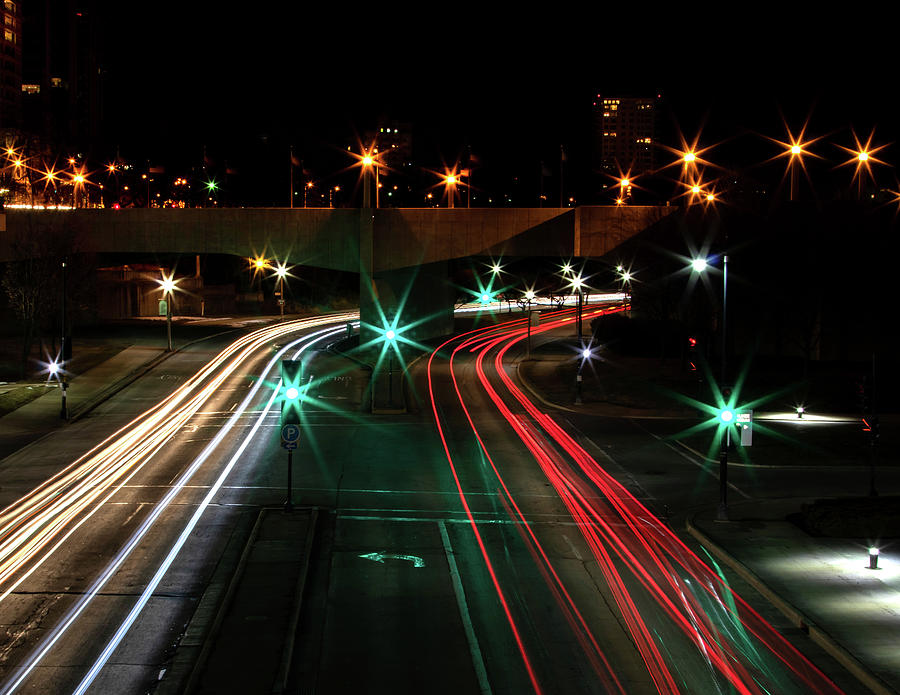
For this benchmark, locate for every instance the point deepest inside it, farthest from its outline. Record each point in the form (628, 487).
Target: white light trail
(261, 337)
(35, 526)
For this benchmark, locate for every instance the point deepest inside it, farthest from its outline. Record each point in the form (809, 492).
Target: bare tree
(33, 279)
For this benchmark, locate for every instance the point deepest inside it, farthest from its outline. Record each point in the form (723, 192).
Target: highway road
(478, 545)
(111, 527)
(473, 544)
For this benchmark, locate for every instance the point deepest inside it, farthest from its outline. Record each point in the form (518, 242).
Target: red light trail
(640, 558)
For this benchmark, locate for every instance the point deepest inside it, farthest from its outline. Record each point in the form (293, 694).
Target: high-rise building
(60, 78)
(393, 140)
(624, 136)
(11, 66)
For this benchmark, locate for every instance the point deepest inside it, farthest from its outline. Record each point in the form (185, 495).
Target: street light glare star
(167, 284)
(863, 156)
(699, 264)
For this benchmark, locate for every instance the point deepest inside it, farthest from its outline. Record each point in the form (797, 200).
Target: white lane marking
(134, 513)
(484, 685)
(708, 466)
(574, 549)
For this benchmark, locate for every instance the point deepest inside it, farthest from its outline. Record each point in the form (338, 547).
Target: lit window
(31, 88)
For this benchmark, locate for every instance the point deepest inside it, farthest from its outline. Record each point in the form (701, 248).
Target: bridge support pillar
(416, 303)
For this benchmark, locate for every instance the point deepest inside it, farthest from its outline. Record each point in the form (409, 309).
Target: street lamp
(585, 355)
(167, 284)
(577, 284)
(450, 181)
(863, 157)
(369, 163)
(58, 368)
(281, 272)
(726, 416)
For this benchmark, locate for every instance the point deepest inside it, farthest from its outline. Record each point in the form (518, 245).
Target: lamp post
(578, 285)
(281, 272)
(368, 163)
(529, 297)
(65, 350)
(585, 355)
(450, 182)
(700, 265)
(625, 277)
(168, 289)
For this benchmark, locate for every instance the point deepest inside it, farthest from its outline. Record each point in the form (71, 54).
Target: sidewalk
(241, 637)
(29, 422)
(34, 419)
(823, 585)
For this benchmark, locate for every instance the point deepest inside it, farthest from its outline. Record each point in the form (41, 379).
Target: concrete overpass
(398, 252)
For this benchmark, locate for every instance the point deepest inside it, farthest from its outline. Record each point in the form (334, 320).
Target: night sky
(512, 85)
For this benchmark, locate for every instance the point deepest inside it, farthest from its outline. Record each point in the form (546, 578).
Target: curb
(853, 666)
(193, 651)
(104, 394)
(135, 374)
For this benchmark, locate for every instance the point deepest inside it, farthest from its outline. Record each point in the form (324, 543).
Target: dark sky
(513, 83)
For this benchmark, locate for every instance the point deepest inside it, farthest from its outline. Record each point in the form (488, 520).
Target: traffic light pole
(722, 514)
(289, 505)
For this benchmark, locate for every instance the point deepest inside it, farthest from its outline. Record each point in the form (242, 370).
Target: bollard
(873, 558)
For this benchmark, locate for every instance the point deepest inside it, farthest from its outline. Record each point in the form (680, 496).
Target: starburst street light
(577, 283)
(862, 156)
(794, 149)
(281, 273)
(167, 284)
(370, 164)
(451, 181)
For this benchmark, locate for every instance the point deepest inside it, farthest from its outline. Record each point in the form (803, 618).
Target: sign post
(290, 435)
(745, 423)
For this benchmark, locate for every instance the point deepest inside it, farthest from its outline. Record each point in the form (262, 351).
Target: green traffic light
(290, 403)
(726, 415)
